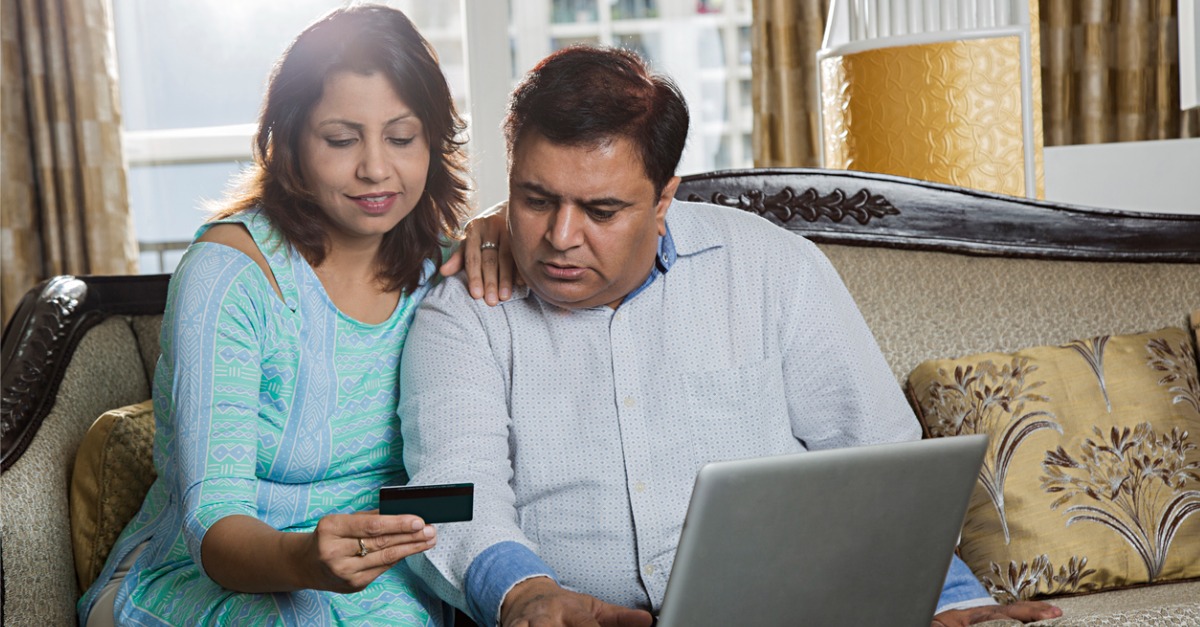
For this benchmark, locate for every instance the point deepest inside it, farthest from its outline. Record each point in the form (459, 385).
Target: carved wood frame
(40, 339)
(858, 208)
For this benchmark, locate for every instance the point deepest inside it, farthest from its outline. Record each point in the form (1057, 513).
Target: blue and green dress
(281, 409)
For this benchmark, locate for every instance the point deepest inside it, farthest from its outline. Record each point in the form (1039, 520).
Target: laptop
(856, 536)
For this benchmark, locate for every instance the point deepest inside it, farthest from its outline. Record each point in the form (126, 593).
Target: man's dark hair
(584, 95)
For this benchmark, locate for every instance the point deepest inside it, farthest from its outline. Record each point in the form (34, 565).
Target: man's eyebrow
(604, 201)
(537, 189)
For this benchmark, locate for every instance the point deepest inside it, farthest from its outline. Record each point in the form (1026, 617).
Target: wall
(1160, 176)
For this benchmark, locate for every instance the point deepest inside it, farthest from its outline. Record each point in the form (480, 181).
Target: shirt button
(629, 402)
(639, 487)
(617, 316)
(649, 569)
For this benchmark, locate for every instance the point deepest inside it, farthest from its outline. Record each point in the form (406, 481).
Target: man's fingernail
(430, 532)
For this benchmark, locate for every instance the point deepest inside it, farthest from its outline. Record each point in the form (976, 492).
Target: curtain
(1110, 72)
(785, 37)
(64, 206)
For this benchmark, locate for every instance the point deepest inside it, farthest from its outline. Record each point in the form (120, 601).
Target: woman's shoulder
(236, 236)
(239, 234)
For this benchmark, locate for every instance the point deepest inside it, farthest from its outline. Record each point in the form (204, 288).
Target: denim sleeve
(494, 573)
(962, 589)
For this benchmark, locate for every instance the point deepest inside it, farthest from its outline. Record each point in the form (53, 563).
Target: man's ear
(664, 201)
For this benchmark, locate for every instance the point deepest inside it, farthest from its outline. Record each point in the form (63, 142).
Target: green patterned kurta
(280, 409)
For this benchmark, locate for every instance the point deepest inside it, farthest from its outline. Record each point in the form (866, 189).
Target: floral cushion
(1196, 327)
(1092, 477)
(114, 468)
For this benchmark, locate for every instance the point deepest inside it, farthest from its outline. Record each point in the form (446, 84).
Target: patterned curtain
(1110, 72)
(64, 206)
(785, 36)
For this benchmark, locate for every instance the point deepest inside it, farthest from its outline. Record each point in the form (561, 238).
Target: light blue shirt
(583, 430)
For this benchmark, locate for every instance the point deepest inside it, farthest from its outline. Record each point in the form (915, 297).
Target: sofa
(938, 272)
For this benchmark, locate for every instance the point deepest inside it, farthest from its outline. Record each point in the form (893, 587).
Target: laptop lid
(856, 536)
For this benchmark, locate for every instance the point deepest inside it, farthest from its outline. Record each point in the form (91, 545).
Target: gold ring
(489, 246)
(362, 548)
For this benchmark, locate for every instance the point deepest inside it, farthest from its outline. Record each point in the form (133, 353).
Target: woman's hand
(245, 554)
(347, 552)
(490, 269)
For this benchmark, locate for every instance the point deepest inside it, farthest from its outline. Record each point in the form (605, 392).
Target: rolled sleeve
(494, 573)
(962, 589)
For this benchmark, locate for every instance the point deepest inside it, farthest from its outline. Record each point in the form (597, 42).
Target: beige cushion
(114, 468)
(1093, 450)
(1196, 327)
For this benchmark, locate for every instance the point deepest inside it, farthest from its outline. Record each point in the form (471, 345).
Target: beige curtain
(64, 206)
(785, 36)
(1110, 72)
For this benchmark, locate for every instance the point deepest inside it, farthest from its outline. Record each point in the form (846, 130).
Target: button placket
(635, 439)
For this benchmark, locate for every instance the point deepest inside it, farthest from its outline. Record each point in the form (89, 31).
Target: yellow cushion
(1196, 327)
(1092, 478)
(114, 468)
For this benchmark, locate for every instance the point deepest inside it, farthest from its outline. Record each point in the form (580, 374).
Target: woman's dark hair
(364, 39)
(586, 94)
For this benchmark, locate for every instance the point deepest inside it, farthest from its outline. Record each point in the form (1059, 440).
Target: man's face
(584, 220)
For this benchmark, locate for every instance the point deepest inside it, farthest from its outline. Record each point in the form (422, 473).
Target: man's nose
(566, 227)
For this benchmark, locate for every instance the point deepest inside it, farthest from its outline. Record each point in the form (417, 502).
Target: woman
(275, 397)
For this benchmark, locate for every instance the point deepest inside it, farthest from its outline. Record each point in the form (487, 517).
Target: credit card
(435, 504)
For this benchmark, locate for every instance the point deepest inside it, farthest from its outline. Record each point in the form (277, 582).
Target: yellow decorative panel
(1035, 62)
(948, 112)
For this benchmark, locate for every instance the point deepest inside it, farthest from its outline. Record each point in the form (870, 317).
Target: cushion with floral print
(1196, 327)
(1092, 477)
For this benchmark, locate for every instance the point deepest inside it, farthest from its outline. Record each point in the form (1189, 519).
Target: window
(193, 72)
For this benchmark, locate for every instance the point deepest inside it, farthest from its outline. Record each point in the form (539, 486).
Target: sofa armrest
(75, 348)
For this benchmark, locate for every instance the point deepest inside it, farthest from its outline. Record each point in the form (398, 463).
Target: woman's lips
(561, 272)
(375, 204)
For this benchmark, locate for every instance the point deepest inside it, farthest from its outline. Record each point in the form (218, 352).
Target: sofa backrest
(927, 305)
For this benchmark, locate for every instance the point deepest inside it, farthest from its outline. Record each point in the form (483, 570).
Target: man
(654, 336)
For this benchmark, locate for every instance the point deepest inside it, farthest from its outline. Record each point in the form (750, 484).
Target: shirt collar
(684, 236)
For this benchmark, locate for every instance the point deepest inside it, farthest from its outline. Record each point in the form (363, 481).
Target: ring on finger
(362, 548)
(489, 246)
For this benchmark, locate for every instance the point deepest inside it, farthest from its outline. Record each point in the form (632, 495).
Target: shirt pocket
(739, 412)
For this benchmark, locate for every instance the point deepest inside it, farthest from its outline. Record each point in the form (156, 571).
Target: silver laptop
(857, 536)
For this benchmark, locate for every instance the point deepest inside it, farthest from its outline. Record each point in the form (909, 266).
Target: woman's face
(364, 157)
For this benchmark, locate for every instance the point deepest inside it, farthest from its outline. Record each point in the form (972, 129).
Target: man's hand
(540, 602)
(1024, 611)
